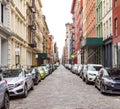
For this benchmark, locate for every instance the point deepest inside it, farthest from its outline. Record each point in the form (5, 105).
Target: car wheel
(95, 84)
(80, 75)
(86, 80)
(6, 101)
(83, 77)
(32, 87)
(37, 81)
(25, 91)
(40, 79)
(102, 88)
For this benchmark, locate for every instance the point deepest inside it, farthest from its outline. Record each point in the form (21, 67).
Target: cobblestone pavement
(64, 90)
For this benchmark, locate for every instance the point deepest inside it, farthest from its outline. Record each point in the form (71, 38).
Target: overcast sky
(57, 14)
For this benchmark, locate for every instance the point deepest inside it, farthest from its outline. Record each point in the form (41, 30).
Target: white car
(69, 67)
(91, 72)
(74, 68)
(19, 81)
(79, 69)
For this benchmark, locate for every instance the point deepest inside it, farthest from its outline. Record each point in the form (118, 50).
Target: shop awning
(92, 42)
(41, 55)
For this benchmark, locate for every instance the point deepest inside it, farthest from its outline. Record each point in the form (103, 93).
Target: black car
(35, 75)
(108, 80)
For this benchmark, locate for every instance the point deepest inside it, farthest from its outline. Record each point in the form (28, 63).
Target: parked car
(91, 72)
(2, 68)
(74, 68)
(83, 69)
(4, 94)
(55, 66)
(41, 71)
(79, 68)
(19, 81)
(48, 68)
(35, 75)
(69, 66)
(66, 66)
(108, 80)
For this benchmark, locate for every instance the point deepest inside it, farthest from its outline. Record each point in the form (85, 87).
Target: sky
(58, 13)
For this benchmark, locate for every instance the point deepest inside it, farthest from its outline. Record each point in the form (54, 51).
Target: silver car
(4, 94)
(19, 81)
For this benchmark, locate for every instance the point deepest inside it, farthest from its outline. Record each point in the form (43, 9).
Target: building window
(115, 3)
(17, 59)
(2, 12)
(107, 28)
(104, 8)
(110, 26)
(115, 26)
(115, 55)
(109, 4)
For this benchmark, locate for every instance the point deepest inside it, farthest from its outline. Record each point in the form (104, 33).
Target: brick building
(116, 32)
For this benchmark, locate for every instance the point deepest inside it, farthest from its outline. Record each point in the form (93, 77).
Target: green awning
(92, 42)
(42, 55)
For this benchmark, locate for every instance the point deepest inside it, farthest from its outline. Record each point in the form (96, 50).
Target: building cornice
(6, 31)
(22, 18)
(18, 37)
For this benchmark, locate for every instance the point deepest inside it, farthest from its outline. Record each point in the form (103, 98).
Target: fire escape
(32, 25)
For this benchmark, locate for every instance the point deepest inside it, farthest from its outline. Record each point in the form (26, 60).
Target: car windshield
(105, 74)
(31, 70)
(12, 73)
(43, 65)
(48, 65)
(114, 72)
(94, 68)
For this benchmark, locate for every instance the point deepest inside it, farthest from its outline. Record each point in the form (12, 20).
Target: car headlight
(18, 83)
(91, 74)
(110, 83)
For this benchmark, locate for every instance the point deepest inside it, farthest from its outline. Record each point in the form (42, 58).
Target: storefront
(4, 47)
(107, 49)
(89, 50)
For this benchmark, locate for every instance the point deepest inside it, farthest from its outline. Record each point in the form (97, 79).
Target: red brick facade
(116, 15)
(90, 23)
(50, 53)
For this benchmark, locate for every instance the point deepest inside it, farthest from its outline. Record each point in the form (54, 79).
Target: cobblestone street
(64, 90)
